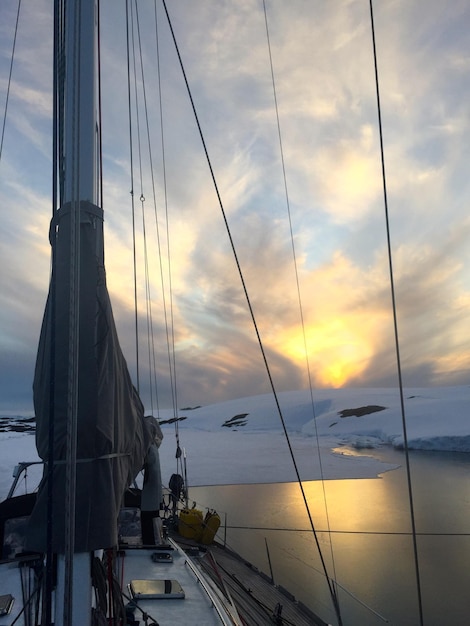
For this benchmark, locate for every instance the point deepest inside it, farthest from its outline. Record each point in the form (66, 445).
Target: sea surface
(363, 528)
(364, 532)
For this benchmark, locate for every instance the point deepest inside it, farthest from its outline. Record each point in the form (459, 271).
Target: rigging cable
(180, 455)
(100, 126)
(142, 197)
(297, 282)
(170, 340)
(9, 77)
(58, 80)
(255, 325)
(379, 533)
(395, 322)
(181, 465)
(151, 344)
(137, 51)
(150, 334)
(131, 156)
(73, 314)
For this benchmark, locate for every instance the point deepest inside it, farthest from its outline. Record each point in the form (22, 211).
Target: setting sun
(336, 351)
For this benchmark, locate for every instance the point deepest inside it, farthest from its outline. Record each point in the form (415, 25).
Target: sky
(325, 91)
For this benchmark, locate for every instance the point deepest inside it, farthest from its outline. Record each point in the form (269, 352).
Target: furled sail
(112, 435)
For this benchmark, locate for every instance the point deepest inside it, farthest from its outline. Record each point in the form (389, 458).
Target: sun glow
(336, 351)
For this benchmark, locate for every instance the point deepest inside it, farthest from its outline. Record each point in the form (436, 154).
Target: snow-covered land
(242, 441)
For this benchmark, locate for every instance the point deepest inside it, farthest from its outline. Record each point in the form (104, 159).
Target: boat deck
(172, 592)
(200, 604)
(14, 578)
(178, 582)
(255, 596)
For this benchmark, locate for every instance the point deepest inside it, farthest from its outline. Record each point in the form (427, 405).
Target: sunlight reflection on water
(363, 528)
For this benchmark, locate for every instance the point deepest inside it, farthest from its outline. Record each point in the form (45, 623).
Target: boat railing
(20, 470)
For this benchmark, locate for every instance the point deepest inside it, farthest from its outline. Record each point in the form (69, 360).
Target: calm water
(369, 550)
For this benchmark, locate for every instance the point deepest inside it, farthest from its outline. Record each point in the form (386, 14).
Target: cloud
(324, 79)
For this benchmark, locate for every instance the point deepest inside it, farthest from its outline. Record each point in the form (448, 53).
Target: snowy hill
(436, 418)
(242, 440)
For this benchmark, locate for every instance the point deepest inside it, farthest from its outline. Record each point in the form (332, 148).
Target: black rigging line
(299, 296)
(129, 99)
(170, 338)
(9, 77)
(136, 42)
(150, 334)
(384, 533)
(100, 116)
(255, 325)
(56, 139)
(141, 197)
(73, 314)
(157, 227)
(395, 322)
(167, 302)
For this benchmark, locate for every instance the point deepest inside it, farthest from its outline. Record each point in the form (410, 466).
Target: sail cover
(112, 435)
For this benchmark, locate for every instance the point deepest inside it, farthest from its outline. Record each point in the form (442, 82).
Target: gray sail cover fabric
(112, 435)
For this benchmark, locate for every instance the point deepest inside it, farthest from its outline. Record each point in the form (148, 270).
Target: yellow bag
(190, 524)
(211, 526)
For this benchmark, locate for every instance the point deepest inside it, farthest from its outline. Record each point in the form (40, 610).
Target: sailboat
(74, 563)
(78, 564)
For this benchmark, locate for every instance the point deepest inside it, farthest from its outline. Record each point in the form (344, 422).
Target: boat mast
(80, 147)
(79, 150)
